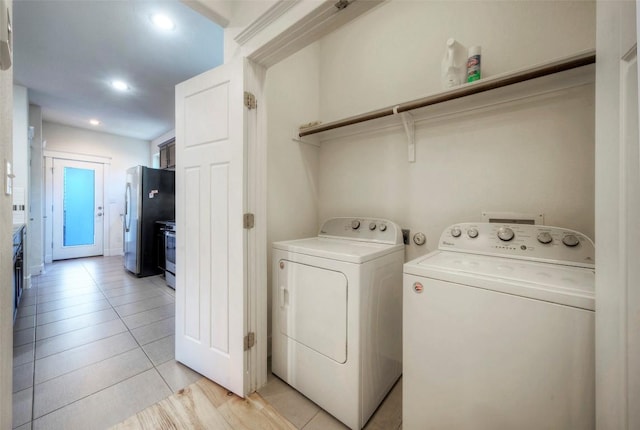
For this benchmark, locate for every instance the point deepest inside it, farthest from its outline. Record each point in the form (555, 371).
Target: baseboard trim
(36, 270)
(113, 252)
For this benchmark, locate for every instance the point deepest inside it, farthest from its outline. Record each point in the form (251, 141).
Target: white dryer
(499, 330)
(337, 315)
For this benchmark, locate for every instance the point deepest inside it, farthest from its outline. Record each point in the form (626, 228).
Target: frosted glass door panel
(79, 198)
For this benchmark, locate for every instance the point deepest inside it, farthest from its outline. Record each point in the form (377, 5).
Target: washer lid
(351, 251)
(565, 285)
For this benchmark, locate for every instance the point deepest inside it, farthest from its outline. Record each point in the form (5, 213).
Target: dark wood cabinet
(18, 266)
(168, 154)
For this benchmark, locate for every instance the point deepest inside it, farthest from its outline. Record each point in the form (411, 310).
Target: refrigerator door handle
(127, 213)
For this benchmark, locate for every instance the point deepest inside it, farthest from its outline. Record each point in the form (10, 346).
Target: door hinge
(250, 100)
(249, 340)
(248, 220)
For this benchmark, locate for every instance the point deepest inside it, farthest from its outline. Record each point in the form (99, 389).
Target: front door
(78, 209)
(211, 242)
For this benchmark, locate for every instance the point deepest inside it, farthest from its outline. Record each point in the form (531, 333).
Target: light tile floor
(94, 345)
(306, 415)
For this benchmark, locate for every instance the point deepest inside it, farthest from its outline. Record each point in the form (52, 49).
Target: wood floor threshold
(206, 405)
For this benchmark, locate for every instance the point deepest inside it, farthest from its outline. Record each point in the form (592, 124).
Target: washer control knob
(372, 226)
(570, 240)
(355, 224)
(505, 234)
(382, 227)
(456, 232)
(545, 237)
(472, 233)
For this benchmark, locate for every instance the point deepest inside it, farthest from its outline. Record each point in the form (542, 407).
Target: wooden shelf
(556, 67)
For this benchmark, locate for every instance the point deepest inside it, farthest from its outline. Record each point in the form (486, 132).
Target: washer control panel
(365, 229)
(531, 242)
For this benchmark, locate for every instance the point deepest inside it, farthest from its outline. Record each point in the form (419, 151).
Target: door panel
(211, 282)
(78, 209)
(313, 308)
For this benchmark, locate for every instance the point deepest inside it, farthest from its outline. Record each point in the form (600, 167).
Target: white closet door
(211, 242)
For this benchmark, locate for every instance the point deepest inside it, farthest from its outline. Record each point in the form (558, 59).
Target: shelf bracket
(410, 129)
(307, 141)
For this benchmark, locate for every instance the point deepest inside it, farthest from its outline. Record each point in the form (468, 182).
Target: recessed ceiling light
(94, 122)
(163, 22)
(119, 85)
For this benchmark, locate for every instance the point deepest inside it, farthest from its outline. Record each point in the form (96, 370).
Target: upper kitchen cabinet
(168, 154)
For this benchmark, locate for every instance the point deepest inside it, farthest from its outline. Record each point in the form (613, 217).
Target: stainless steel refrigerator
(149, 197)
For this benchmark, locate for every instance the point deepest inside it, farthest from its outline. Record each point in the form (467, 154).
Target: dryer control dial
(545, 237)
(355, 224)
(505, 234)
(456, 232)
(383, 227)
(372, 226)
(472, 233)
(570, 240)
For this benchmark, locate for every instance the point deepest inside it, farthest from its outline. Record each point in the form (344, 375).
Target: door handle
(284, 300)
(99, 213)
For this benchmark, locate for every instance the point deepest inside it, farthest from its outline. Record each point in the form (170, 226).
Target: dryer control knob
(355, 224)
(456, 232)
(505, 234)
(545, 237)
(383, 227)
(472, 233)
(372, 226)
(570, 240)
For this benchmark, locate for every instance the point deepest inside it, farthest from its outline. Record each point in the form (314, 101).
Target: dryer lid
(350, 251)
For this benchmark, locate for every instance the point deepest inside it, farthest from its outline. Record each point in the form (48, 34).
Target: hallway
(93, 345)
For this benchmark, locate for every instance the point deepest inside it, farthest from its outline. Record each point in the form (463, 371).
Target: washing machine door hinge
(249, 340)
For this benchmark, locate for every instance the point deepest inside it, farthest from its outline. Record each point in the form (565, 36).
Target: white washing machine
(337, 315)
(499, 330)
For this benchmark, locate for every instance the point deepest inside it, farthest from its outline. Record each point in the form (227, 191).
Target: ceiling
(67, 53)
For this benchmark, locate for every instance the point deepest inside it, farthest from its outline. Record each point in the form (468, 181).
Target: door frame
(49, 156)
(280, 31)
(617, 296)
(96, 246)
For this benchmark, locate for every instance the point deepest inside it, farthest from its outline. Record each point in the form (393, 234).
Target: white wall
(20, 152)
(124, 152)
(35, 222)
(292, 95)
(393, 53)
(535, 157)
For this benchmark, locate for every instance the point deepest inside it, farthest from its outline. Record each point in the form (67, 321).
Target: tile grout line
(33, 389)
(136, 340)
(33, 373)
(118, 317)
(33, 418)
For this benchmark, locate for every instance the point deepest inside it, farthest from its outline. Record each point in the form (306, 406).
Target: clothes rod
(578, 60)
